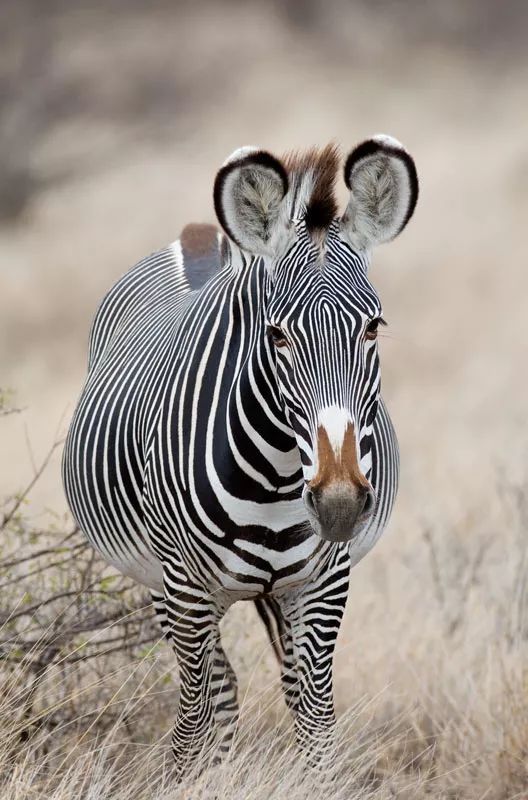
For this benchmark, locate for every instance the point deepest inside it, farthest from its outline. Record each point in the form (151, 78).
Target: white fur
(390, 141)
(379, 198)
(252, 201)
(241, 152)
(335, 421)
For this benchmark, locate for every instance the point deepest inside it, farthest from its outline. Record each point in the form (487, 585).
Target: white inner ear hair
(379, 199)
(252, 197)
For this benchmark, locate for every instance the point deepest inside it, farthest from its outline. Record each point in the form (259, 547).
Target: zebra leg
(193, 624)
(280, 636)
(158, 602)
(224, 684)
(224, 689)
(289, 676)
(315, 615)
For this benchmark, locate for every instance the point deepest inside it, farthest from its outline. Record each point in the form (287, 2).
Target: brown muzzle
(339, 498)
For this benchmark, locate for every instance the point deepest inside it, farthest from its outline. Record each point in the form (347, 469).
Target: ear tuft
(312, 175)
(383, 184)
(248, 194)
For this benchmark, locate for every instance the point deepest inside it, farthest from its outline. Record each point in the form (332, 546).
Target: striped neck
(260, 438)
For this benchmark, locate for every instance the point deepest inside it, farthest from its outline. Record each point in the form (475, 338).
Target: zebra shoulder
(201, 252)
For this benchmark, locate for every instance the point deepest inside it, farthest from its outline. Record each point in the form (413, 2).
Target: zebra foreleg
(158, 602)
(193, 626)
(224, 685)
(315, 618)
(280, 636)
(224, 689)
(289, 676)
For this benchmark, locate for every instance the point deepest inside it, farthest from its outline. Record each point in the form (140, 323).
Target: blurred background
(116, 115)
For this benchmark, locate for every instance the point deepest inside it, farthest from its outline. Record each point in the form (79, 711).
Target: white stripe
(335, 420)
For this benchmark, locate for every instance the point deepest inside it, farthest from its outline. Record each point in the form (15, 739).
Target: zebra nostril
(368, 505)
(311, 503)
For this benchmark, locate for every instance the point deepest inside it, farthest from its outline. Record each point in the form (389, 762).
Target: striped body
(142, 471)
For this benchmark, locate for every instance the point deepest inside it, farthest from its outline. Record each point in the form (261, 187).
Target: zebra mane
(311, 178)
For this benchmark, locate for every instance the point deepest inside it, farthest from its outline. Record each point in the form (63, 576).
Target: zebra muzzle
(339, 512)
(339, 498)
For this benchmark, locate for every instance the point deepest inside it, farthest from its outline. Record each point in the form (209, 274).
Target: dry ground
(431, 670)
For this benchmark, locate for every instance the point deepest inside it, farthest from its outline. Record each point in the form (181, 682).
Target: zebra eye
(276, 336)
(371, 331)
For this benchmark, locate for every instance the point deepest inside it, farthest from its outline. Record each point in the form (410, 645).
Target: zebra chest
(262, 561)
(244, 547)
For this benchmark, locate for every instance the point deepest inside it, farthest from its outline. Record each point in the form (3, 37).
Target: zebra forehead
(311, 177)
(330, 295)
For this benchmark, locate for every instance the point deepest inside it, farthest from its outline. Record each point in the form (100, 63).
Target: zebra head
(321, 314)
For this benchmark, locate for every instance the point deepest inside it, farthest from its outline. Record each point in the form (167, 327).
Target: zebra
(230, 442)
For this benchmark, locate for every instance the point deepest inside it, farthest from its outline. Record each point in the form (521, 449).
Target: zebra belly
(141, 566)
(120, 538)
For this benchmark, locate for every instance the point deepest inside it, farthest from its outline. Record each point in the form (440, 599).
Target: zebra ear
(383, 183)
(248, 194)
